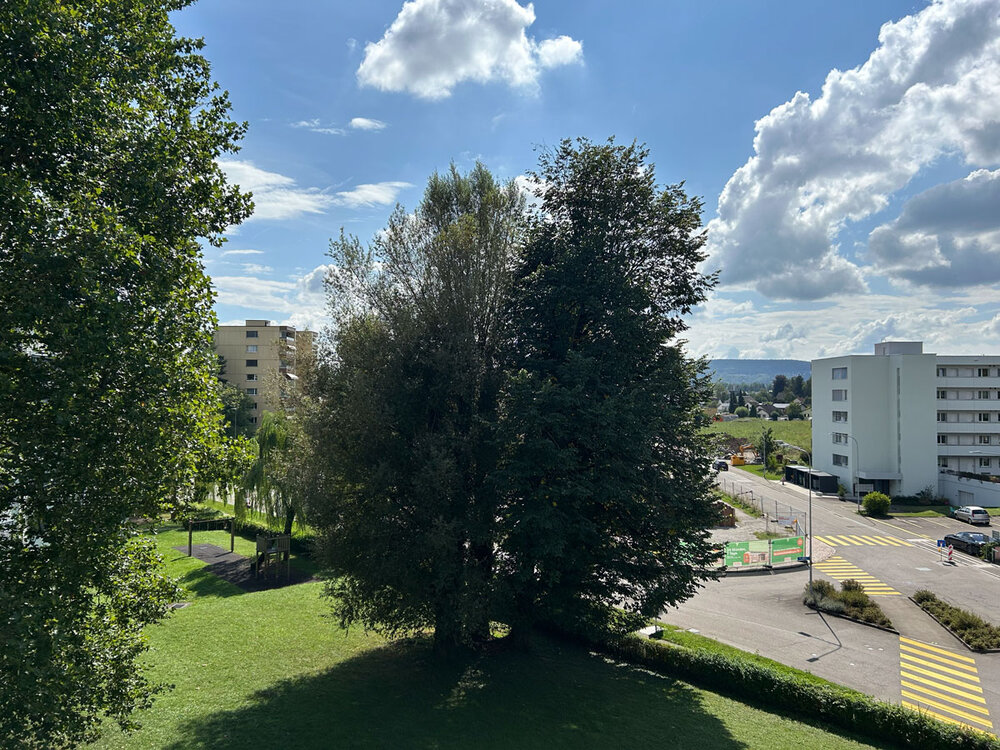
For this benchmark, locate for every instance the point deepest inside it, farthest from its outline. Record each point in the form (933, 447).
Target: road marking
(959, 558)
(951, 693)
(861, 540)
(899, 528)
(937, 649)
(839, 569)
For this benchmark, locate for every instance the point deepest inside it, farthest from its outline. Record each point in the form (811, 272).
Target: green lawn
(271, 669)
(758, 469)
(795, 431)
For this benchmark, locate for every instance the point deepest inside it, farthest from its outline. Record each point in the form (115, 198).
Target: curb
(957, 636)
(853, 619)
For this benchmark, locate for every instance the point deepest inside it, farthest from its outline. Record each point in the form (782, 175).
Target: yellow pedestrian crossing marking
(861, 540)
(839, 569)
(951, 693)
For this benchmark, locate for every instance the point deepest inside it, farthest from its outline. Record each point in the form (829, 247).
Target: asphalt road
(924, 666)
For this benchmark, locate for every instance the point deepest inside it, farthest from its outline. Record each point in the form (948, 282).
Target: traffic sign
(941, 543)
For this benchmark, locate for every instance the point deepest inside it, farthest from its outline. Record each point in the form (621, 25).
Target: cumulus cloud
(302, 300)
(275, 196)
(433, 45)
(784, 332)
(376, 194)
(365, 123)
(930, 89)
(948, 236)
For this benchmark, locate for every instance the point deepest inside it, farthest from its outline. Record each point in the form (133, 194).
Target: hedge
(773, 690)
(970, 628)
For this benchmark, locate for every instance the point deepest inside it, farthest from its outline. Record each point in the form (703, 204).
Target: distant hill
(757, 370)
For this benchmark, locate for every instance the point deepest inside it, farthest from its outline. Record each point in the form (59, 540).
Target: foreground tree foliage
(108, 175)
(605, 477)
(506, 429)
(403, 430)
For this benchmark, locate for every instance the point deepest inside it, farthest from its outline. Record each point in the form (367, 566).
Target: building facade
(260, 359)
(901, 421)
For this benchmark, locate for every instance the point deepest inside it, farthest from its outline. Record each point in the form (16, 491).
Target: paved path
(237, 569)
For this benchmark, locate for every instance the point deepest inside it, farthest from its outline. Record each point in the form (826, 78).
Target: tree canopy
(405, 406)
(605, 477)
(108, 178)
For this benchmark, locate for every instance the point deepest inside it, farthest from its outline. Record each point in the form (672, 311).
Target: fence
(780, 518)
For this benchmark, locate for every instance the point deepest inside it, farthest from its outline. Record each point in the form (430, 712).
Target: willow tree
(112, 128)
(605, 479)
(403, 431)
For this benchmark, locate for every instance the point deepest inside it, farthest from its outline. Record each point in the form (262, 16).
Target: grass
(758, 469)
(272, 669)
(795, 431)
(765, 535)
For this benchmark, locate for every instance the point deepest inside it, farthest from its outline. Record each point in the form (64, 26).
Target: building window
(252, 376)
(251, 391)
(942, 372)
(983, 395)
(943, 462)
(251, 334)
(253, 420)
(984, 462)
(839, 460)
(839, 394)
(942, 395)
(251, 363)
(252, 348)
(254, 406)
(984, 416)
(840, 437)
(840, 416)
(984, 439)
(840, 373)
(942, 439)
(984, 372)
(942, 416)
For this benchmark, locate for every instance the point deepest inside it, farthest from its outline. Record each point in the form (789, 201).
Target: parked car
(720, 465)
(972, 514)
(967, 541)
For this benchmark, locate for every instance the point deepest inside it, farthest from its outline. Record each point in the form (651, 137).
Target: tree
(742, 411)
(752, 411)
(237, 409)
(741, 399)
(768, 448)
(605, 479)
(402, 431)
(780, 383)
(794, 410)
(797, 386)
(732, 402)
(112, 129)
(274, 476)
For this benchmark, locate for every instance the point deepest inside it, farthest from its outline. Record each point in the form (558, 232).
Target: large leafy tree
(403, 429)
(108, 177)
(605, 478)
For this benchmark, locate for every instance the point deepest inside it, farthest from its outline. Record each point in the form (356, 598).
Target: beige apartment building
(260, 359)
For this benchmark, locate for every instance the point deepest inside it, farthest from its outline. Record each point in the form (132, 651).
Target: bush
(851, 601)
(986, 551)
(776, 690)
(971, 629)
(876, 504)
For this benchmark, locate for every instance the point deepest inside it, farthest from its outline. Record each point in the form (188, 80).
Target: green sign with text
(746, 554)
(787, 550)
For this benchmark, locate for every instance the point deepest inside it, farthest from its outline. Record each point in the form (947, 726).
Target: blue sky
(847, 153)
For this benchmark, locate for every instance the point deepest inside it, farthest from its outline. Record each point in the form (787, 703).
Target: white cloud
(275, 196)
(242, 252)
(302, 300)
(559, 51)
(433, 45)
(365, 123)
(948, 236)
(254, 268)
(314, 126)
(377, 194)
(931, 89)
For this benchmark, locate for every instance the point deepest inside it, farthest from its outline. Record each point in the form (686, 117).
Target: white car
(972, 514)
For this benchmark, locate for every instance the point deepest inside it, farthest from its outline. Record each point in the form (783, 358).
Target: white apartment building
(901, 420)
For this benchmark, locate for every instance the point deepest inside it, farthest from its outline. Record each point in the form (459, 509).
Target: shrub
(851, 585)
(923, 596)
(973, 631)
(876, 504)
(986, 551)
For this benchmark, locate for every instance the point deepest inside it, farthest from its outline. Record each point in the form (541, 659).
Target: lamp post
(810, 522)
(854, 488)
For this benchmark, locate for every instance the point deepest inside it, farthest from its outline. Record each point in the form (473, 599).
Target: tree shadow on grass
(399, 695)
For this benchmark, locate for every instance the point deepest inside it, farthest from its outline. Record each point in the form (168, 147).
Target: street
(923, 667)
